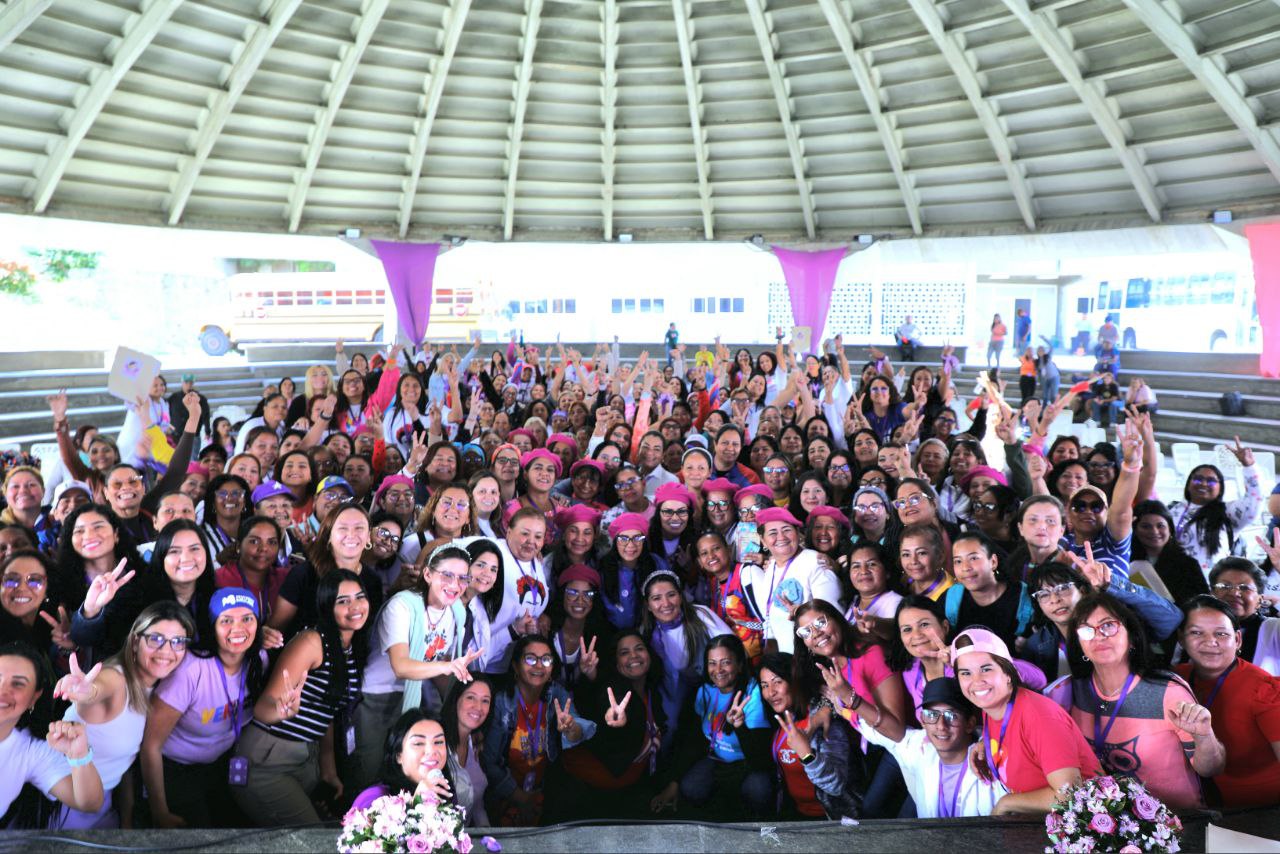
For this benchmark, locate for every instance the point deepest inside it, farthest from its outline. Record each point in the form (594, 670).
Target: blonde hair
(16, 470)
(126, 660)
(316, 370)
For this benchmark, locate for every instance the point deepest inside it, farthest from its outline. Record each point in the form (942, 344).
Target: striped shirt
(316, 712)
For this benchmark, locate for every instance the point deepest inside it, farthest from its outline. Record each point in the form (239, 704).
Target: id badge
(351, 740)
(238, 771)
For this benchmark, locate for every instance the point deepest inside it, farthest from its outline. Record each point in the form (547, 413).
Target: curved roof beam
(224, 103)
(457, 18)
(844, 34)
(524, 82)
(682, 12)
(764, 35)
(139, 32)
(609, 111)
(17, 16)
(953, 51)
(351, 55)
(1179, 42)
(1049, 37)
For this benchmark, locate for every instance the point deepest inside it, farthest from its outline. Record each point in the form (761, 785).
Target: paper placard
(131, 374)
(801, 340)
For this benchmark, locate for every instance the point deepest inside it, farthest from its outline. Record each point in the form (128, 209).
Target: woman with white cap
(1029, 744)
(789, 577)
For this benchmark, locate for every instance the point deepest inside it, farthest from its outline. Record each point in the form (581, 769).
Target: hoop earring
(1085, 657)
(368, 545)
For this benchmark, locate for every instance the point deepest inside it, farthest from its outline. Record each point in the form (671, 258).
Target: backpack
(1231, 403)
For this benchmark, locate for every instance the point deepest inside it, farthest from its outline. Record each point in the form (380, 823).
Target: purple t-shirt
(206, 696)
(365, 799)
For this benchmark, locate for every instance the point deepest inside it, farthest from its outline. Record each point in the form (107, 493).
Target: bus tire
(1216, 338)
(214, 341)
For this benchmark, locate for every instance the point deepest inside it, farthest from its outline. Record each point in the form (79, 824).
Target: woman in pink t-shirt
(1140, 722)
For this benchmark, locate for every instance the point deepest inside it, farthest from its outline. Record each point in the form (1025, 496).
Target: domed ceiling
(665, 119)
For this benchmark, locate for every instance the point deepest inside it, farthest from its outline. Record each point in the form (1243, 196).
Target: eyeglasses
(932, 716)
(449, 503)
(230, 494)
(399, 496)
(452, 578)
(336, 495)
(125, 480)
(1224, 587)
(843, 468)
(386, 536)
(910, 500)
(580, 594)
(630, 538)
(750, 510)
(1107, 628)
(35, 582)
(879, 389)
(1088, 506)
(775, 469)
(674, 512)
(531, 660)
(805, 632)
(951, 421)
(1205, 481)
(1099, 464)
(155, 640)
(1055, 592)
(718, 504)
(626, 484)
(988, 506)
(878, 482)
(506, 461)
(873, 507)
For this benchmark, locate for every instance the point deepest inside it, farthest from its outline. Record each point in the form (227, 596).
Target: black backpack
(1231, 403)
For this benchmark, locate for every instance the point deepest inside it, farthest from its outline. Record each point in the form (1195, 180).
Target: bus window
(1198, 292)
(304, 297)
(1138, 293)
(1224, 289)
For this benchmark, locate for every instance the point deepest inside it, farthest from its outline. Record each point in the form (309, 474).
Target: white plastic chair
(1186, 456)
(1060, 425)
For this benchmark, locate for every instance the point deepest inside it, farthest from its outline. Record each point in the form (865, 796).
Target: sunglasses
(1056, 591)
(818, 624)
(155, 640)
(1107, 629)
(1088, 506)
(530, 660)
(932, 716)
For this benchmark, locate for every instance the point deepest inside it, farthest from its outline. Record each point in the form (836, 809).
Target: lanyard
(986, 739)
(264, 601)
(533, 725)
(774, 581)
(936, 582)
(1217, 686)
(719, 713)
(1099, 733)
(945, 811)
(239, 704)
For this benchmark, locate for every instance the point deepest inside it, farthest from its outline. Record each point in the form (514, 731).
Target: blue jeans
(738, 788)
(1105, 411)
(887, 792)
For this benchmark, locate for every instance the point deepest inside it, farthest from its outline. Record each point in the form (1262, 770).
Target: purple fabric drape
(410, 269)
(811, 277)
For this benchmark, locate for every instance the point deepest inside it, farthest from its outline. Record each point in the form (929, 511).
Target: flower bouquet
(1106, 814)
(404, 822)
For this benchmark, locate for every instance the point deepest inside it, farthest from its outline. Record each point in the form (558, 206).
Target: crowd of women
(551, 587)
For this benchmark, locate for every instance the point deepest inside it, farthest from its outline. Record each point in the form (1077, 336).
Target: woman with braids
(1204, 524)
(305, 715)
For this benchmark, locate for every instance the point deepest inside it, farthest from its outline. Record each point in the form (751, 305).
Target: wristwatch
(808, 758)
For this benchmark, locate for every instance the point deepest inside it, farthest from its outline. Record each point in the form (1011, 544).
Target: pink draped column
(1264, 246)
(410, 269)
(811, 278)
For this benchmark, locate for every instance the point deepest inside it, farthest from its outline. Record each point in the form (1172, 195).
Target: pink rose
(1131, 849)
(1053, 823)
(1103, 823)
(1145, 807)
(417, 844)
(464, 844)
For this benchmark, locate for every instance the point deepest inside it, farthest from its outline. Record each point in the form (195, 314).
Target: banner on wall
(410, 269)
(811, 279)
(1264, 248)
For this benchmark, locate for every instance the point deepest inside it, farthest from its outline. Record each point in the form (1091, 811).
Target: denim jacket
(502, 725)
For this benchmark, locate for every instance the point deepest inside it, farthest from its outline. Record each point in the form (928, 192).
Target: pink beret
(521, 431)
(579, 572)
(1033, 451)
(776, 514)
(754, 489)
(826, 511)
(983, 471)
(718, 484)
(198, 468)
(567, 516)
(628, 522)
(562, 437)
(587, 464)
(673, 492)
(390, 481)
(542, 453)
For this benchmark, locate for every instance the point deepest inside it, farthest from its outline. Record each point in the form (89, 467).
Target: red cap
(566, 516)
(754, 489)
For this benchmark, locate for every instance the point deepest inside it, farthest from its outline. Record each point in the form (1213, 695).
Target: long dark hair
(31, 808)
(805, 672)
(71, 585)
(319, 552)
(695, 632)
(40, 633)
(449, 711)
(309, 489)
(685, 545)
(1212, 515)
(782, 664)
(645, 564)
(331, 640)
(492, 599)
(390, 774)
(156, 580)
(897, 657)
(206, 646)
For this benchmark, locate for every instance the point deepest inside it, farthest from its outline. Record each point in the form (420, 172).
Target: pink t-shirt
(207, 697)
(1041, 738)
(864, 674)
(1142, 743)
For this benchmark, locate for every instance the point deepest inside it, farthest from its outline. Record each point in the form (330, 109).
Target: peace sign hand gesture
(104, 588)
(77, 686)
(289, 703)
(838, 688)
(736, 716)
(588, 658)
(1241, 453)
(797, 739)
(461, 666)
(61, 634)
(418, 452)
(1098, 573)
(617, 714)
(565, 722)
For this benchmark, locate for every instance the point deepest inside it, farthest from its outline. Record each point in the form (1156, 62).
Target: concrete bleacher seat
(1186, 456)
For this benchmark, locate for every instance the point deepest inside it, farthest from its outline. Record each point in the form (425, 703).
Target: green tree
(17, 279)
(59, 263)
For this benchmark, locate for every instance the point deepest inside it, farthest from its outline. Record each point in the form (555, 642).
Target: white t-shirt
(393, 627)
(396, 427)
(814, 580)
(28, 760)
(918, 760)
(524, 588)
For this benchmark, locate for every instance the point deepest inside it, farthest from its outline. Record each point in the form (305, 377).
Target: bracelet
(857, 702)
(82, 761)
(1134, 469)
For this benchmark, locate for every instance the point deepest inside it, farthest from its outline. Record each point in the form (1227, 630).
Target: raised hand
(736, 716)
(417, 453)
(104, 588)
(434, 787)
(1004, 428)
(1192, 718)
(191, 402)
(1272, 549)
(289, 703)
(1242, 453)
(337, 346)
(588, 658)
(460, 667)
(797, 739)
(1097, 573)
(565, 722)
(77, 686)
(61, 628)
(617, 714)
(1131, 447)
(58, 404)
(69, 739)
(837, 687)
